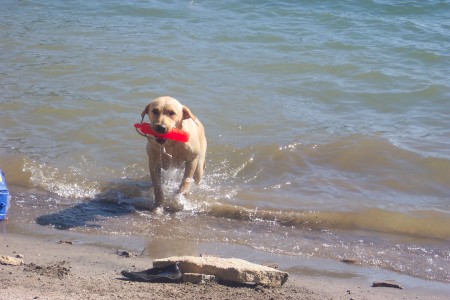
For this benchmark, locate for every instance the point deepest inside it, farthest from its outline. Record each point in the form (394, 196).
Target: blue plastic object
(4, 197)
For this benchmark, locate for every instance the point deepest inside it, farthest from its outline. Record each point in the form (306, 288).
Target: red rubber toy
(175, 134)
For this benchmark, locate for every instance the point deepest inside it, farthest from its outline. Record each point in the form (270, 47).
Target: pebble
(124, 253)
(387, 283)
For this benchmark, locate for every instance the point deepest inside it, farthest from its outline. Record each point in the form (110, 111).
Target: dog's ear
(145, 111)
(187, 114)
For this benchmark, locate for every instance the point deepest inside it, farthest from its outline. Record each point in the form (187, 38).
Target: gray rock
(227, 269)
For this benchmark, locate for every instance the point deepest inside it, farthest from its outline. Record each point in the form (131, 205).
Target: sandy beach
(67, 270)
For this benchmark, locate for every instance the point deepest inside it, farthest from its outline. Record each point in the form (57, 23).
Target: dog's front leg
(188, 175)
(155, 172)
(154, 165)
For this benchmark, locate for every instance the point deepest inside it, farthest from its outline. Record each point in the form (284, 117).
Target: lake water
(327, 122)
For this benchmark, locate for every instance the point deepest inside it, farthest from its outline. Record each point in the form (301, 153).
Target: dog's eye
(172, 113)
(155, 111)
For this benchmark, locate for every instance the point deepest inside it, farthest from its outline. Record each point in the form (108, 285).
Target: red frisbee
(175, 134)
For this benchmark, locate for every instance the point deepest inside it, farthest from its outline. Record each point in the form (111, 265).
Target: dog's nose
(161, 128)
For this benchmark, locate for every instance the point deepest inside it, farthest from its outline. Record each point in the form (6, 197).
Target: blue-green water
(327, 122)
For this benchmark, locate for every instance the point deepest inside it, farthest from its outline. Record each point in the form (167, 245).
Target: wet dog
(166, 113)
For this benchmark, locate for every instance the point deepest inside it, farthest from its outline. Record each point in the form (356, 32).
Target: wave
(28, 173)
(368, 163)
(348, 167)
(423, 224)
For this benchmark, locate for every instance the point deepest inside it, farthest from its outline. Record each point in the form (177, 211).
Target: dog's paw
(175, 203)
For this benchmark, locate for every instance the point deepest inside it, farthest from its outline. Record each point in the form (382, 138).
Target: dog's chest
(178, 151)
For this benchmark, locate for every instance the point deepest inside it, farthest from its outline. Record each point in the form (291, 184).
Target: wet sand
(67, 270)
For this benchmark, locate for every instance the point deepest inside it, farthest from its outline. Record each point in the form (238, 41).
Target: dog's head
(166, 113)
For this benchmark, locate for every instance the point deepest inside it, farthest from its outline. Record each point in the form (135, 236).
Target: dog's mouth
(160, 140)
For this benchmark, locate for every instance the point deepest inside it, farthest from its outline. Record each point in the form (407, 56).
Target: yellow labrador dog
(166, 113)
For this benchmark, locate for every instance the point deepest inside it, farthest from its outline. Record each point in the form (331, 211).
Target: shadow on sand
(86, 214)
(90, 213)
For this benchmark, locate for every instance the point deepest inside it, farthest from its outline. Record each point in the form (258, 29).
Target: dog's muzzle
(161, 129)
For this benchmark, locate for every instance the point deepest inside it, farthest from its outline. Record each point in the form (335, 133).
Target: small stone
(20, 256)
(348, 261)
(387, 283)
(11, 261)
(66, 242)
(124, 253)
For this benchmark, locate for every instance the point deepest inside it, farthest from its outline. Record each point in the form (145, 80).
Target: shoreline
(65, 269)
